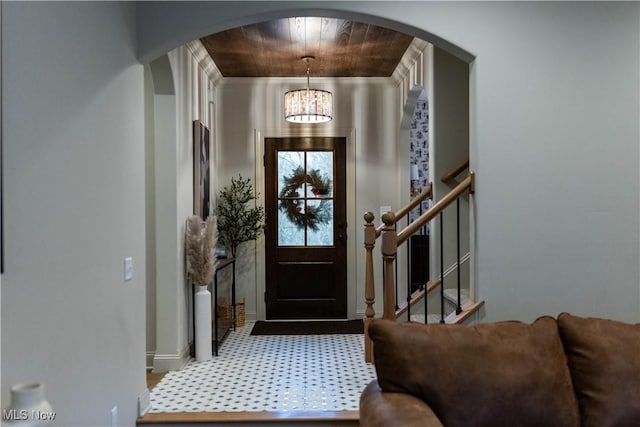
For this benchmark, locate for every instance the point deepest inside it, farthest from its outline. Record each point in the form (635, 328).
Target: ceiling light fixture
(308, 105)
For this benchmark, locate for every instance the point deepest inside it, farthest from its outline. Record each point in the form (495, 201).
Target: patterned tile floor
(270, 373)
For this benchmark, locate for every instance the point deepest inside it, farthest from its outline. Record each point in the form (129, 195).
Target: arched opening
(373, 164)
(163, 29)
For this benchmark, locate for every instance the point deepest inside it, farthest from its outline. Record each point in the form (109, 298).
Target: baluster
(426, 233)
(458, 308)
(388, 249)
(426, 259)
(395, 227)
(369, 288)
(441, 268)
(409, 272)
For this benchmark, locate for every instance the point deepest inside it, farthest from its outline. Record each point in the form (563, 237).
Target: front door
(305, 205)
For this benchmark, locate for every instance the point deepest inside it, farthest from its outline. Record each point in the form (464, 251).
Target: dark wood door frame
(323, 268)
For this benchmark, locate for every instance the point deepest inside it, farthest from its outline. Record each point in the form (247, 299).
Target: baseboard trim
(452, 269)
(171, 362)
(150, 356)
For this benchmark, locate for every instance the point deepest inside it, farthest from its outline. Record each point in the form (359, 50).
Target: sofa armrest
(383, 409)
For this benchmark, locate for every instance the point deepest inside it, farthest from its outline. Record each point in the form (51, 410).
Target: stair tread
(468, 308)
(452, 295)
(416, 297)
(431, 318)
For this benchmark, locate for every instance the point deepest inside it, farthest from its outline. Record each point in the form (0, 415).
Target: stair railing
(454, 172)
(467, 184)
(391, 241)
(371, 234)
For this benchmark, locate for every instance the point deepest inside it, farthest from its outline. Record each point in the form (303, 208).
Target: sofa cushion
(494, 374)
(604, 360)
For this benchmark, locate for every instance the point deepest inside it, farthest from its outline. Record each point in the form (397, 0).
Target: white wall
(450, 126)
(415, 81)
(170, 287)
(554, 136)
(177, 103)
(150, 219)
(73, 135)
(364, 108)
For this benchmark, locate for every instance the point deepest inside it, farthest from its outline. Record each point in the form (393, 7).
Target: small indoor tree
(238, 222)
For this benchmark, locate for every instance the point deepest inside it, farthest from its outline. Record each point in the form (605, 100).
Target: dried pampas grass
(200, 243)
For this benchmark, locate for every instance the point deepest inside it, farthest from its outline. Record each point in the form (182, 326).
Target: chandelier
(308, 105)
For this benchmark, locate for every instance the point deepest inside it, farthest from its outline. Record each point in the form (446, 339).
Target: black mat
(308, 327)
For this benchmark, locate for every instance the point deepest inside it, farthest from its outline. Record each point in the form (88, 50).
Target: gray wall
(554, 124)
(74, 163)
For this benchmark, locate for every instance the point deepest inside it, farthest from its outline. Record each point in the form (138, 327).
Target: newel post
(369, 288)
(389, 249)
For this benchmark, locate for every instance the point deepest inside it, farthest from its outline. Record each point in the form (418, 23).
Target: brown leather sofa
(569, 371)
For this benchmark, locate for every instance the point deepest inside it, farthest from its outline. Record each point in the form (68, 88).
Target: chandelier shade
(308, 106)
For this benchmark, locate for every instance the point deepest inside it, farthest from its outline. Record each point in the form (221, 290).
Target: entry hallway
(270, 373)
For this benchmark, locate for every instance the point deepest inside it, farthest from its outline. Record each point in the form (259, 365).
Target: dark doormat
(308, 327)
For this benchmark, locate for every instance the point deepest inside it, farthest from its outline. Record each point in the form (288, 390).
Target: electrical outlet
(128, 268)
(114, 416)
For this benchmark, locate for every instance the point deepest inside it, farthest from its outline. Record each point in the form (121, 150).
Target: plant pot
(202, 310)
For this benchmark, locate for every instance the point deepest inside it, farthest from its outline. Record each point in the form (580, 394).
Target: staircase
(468, 308)
(454, 304)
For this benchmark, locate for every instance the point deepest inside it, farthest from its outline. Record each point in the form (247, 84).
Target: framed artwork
(201, 170)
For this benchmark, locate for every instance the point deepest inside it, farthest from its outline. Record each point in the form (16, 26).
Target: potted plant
(237, 221)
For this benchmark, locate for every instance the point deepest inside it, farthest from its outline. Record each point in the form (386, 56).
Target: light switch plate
(128, 268)
(114, 416)
(384, 209)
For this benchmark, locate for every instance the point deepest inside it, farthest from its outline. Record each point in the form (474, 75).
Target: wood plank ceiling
(341, 48)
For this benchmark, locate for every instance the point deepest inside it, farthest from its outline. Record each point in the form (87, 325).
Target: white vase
(28, 407)
(203, 324)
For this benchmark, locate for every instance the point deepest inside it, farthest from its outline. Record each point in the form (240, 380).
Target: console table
(222, 327)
